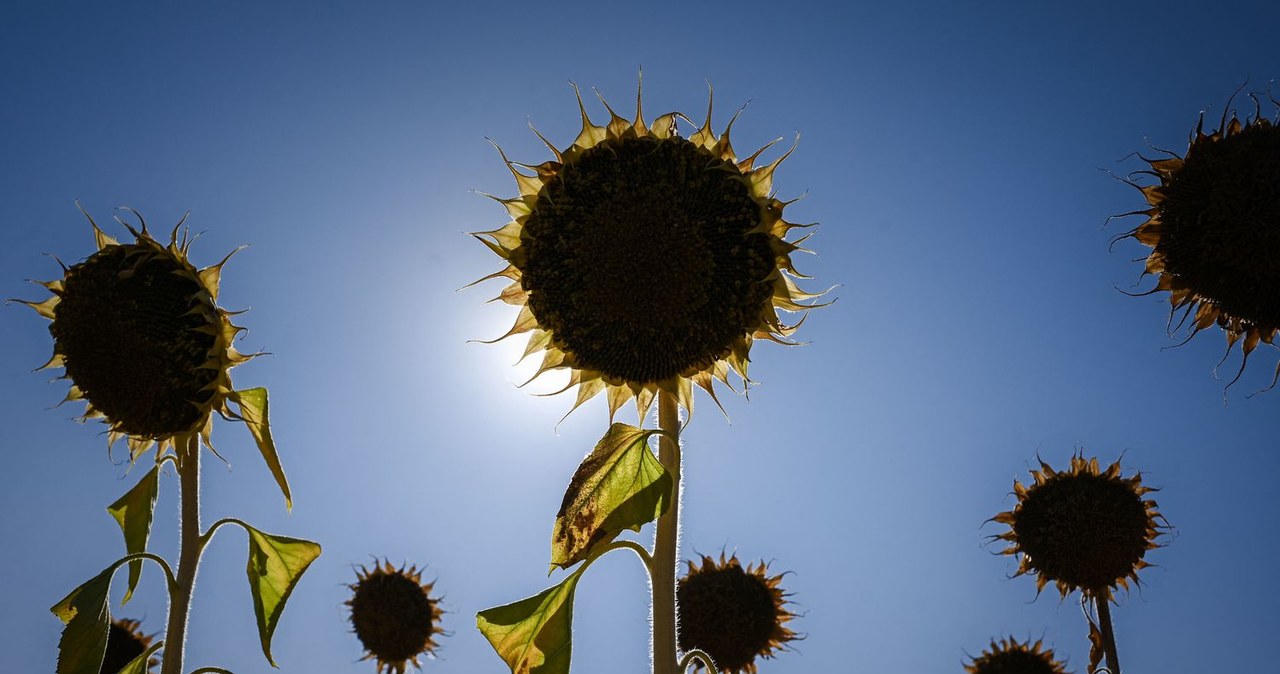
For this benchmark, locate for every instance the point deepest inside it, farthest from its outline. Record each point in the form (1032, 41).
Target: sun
(1082, 528)
(1213, 225)
(394, 616)
(139, 333)
(647, 262)
(733, 614)
(1008, 656)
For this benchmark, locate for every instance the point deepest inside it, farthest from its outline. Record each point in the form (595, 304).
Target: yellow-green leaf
(276, 563)
(534, 635)
(88, 621)
(138, 665)
(620, 485)
(253, 409)
(134, 512)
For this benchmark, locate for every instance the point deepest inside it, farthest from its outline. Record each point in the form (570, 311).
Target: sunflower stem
(1108, 636)
(666, 544)
(696, 654)
(188, 556)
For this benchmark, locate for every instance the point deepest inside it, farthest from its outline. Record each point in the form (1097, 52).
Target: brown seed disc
(1220, 223)
(641, 261)
(126, 331)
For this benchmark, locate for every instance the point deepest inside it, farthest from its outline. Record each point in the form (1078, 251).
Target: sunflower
(1007, 656)
(1214, 229)
(733, 614)
(138, 331)
(394, 616)
(125, 642)
(647, 262)
(1082, 528)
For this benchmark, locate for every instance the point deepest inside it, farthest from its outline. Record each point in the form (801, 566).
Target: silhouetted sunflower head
(1214, 229)
(1007, 656)
(139, 333)
(125, 642)
(394, 616)
(733, 614)
(1082, 528)
(644, 261)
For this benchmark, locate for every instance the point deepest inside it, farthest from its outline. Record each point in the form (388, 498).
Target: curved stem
(633, 546)
(695, 653)
(211, 670)
(171, 582)
(1108, 636)
(188, 556)
(208, 535)
(666, 545)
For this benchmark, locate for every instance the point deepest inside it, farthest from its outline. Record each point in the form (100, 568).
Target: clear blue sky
(954, 154)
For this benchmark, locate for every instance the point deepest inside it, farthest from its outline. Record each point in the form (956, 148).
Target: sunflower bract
(1214, 229)
(1082, 528)
(139, 332)
(733, 614)
(125, 642)
(131, 342)
(394, 616)
(1008, 656)
(647, 262)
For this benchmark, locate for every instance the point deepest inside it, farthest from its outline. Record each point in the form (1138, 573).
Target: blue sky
(956, 157)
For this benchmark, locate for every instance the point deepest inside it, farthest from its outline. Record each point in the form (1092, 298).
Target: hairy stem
(696, 654)
(1108, 636)
(667, 543)
(188, 556)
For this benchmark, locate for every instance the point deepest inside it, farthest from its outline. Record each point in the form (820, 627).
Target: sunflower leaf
(276, 563)
(534, 635)
(138, 665)
(134, 512)
(620, 485)
(253, 408)
(88, 622)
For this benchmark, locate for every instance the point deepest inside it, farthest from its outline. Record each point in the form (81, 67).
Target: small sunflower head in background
(394, 616)
(125, 642)
(1082, 528)
(646, 262)
(1213, 225)
(139, 333)
(1008, 656)
(733, 614)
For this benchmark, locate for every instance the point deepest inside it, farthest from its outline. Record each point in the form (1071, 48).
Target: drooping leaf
(253, 408)
(276, 563)
(533, 636)
(620, 485)
(138, 665)
(88, 622)
(134, 512)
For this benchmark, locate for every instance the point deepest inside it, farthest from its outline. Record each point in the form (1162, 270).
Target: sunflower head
(1213, 225)
(644, 261)
(733, 614)
(1082, 528)
(139, 333)
(125, 642)
(1008, 656)
(394, 616)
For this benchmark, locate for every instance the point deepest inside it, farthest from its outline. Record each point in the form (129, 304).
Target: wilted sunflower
(1007, 656)
(139, 333)
(1082, 528)
(732, 614)
(645, 261)
(125, 642)
(394, 616)
(1214, 229)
